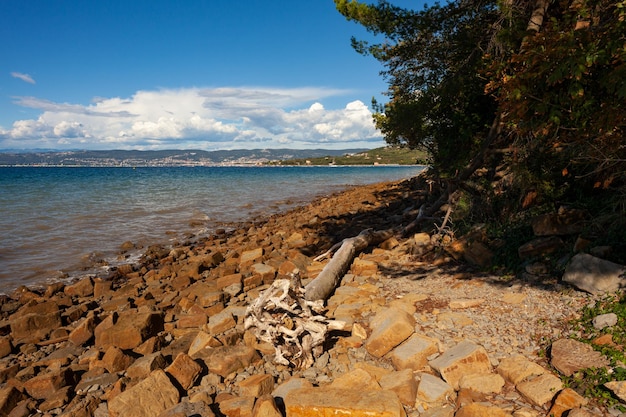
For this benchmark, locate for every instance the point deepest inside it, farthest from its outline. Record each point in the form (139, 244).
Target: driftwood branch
(328, 279)
(295, 327)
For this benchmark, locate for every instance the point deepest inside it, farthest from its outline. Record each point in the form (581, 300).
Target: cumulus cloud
(201, 118)
(24, 77)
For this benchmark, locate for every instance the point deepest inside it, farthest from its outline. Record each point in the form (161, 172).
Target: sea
(61, 223)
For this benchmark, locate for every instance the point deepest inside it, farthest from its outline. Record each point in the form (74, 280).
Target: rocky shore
(424, 335)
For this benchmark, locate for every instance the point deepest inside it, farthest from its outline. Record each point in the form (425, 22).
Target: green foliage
(590, 382)
(563, 98)
(559, 92)
(433, 60)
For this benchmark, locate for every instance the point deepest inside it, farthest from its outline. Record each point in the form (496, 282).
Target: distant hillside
(164, 157)
(388, 155)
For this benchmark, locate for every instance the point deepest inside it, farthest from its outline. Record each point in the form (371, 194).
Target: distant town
(192, 158)
(131, 158)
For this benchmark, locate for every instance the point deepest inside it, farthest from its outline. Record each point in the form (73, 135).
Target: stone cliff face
(166, 337)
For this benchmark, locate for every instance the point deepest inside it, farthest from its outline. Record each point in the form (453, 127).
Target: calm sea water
(57, 221)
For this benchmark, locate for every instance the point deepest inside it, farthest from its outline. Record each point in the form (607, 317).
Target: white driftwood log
(325, 283)
(294, 326)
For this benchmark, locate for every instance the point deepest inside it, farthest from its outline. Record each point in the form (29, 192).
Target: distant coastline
(199, 158)
(162, 158)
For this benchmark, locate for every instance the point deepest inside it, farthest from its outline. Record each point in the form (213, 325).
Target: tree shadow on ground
(393, 207)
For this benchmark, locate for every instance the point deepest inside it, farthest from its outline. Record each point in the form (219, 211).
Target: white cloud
(201, 118)
(24, 77)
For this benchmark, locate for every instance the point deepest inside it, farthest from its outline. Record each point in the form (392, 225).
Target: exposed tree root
(295, 327)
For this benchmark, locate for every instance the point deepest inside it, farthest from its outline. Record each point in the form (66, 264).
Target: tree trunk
(325, 283)
(536, 19)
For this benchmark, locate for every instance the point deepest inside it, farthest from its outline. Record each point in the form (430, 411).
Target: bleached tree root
(295, 327)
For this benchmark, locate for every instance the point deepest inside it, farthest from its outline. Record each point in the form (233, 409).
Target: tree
(564, 98)
(433, 62)
(537, 84)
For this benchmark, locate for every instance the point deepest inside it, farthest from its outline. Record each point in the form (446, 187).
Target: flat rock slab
(148, 398)
(315, 402)
(390, 328)
(463, 359)
(569, 356)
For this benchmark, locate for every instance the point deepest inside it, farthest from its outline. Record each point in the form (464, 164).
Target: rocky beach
(425, 332)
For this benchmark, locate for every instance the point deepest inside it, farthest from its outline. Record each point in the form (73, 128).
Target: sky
(193, 74)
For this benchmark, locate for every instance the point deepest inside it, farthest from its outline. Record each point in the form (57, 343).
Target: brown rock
(540, 390)
(403, 383)
(9, 397)
(566, 400)
(35, 321)
(59, 357)
(364, 267)
(315, 402)
(102, 288)
(483, 383)
(266, 272)
(463, 359)
(130, 329)
(148, 398)
(144, 366)
(184, 370)
(466, 396)
(237, 406)
(618, 388)
(251, 257)
(96, 377)
(356, 379)
(221, 322)
(82, 288)
(189, 409)
(224, 360)
(539, 246)
(201, 342)
(83, 332)
(114, 360)
(477, 253)
(569, 356)
(265, 406)
(25, 408)
(479, 410)
(465, 303)
(192, 321)
(285, 269)
(229, 280)
(433, 391)
(6, 347)
(58, 399)
(257, 385)
(517, 368)
(390, 327)
(45, 385)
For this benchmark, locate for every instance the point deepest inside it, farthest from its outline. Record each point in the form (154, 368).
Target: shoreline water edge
(171, 225)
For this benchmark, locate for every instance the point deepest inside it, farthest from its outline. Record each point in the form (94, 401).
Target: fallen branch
(325, 283)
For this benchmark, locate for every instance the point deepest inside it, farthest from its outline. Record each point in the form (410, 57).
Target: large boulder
(129, 330)
(594, 275)
(35, 321)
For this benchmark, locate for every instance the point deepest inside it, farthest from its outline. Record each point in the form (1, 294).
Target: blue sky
(193, 74)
